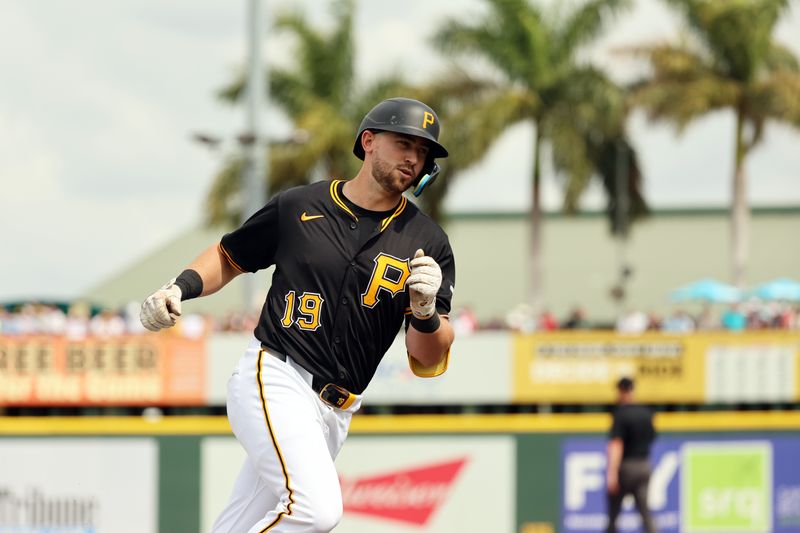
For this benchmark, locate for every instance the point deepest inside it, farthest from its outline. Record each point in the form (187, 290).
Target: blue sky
(99, 100)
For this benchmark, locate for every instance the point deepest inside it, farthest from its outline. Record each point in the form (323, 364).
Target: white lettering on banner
(726, 502)
(586, 521)
(787, 504)
(400, 492)
(571, 372)
(663, 473)
(593, 522)
(115, 388)
(585, 472)
(15, 389)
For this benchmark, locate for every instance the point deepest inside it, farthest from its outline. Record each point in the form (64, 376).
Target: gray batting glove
(423, 284)
(162, 308)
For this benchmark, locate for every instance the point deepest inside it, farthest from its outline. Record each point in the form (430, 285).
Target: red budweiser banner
(409, 496)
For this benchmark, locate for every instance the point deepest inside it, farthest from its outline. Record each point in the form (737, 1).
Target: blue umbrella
(707, 290)
(778, 289)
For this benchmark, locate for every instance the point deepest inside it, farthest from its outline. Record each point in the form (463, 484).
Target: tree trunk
(535, 265)
(740, 212)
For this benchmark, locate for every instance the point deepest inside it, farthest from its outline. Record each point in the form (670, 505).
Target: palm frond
(777, 97)
(782, 58)
(736, 32)
(584, 25)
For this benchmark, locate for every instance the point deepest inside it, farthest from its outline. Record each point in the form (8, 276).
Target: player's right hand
(162, 308)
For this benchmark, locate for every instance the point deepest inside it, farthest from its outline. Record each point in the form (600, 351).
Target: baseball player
(354, 261)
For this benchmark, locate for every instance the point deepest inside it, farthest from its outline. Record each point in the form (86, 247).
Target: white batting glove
(423, 284)
(162, 308)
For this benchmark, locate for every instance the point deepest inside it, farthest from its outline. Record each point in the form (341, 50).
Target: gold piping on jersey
(338, 201)
(229, 259)
(386, 221)
(287, 482)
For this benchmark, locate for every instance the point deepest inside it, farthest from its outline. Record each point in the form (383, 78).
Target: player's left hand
(423, 283)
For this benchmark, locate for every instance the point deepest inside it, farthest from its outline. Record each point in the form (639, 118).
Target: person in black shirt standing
(355, 261)
(632, 433)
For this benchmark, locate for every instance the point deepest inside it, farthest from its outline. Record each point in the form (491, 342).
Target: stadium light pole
(254, 171)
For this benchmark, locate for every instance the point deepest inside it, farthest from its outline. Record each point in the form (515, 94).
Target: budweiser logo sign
(409, 496)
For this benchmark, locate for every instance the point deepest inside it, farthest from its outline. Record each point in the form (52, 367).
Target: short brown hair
(625, 384)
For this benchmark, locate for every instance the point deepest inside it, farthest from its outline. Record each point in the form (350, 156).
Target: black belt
(330, 393)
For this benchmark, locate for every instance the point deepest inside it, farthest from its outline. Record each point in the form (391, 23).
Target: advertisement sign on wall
(748, 485)
(78, 486)
(484, 359)
(582, 367)
(400, 484)
(128, 370)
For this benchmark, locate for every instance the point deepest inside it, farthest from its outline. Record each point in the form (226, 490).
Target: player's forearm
(214, 269)
(430, 348)
(615, 449)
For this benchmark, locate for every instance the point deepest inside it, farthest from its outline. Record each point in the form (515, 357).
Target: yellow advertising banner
(127, 370)
(583, 366)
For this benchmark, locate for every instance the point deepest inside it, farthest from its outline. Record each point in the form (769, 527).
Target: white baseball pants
(288, 482)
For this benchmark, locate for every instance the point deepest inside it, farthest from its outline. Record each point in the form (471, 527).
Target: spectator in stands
(107, 323)
(464, 320)
(5, 321)
(733, 319)
(785, 317)
(547, 321)
(705, 319)
(78, 320)
(521, 318)
(679, 322)
(52, 320)
(633, 322)
(654, 322)
(576, 319)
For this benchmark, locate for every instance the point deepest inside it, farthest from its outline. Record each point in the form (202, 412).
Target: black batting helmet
(405, 115)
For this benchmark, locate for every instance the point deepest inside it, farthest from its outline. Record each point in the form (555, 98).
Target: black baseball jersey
(633, 424)
(338, 296)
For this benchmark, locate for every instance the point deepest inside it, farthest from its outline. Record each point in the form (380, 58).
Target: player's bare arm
(429, 349)
(207, 274)
(214, 269)
(615, 449)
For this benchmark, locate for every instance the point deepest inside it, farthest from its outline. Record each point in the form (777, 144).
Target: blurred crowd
(79, 320)
(753, 315)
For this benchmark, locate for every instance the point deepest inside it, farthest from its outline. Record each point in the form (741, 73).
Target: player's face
(397, 160)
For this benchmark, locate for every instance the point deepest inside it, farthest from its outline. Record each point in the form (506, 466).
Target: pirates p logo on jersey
(389, 274)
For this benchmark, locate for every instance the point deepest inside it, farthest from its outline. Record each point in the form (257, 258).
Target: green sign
(727, 487)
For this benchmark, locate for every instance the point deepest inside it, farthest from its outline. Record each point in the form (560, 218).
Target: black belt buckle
(336, 396)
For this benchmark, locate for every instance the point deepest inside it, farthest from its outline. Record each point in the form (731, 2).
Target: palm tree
(320, 98)
(540, 79)
(730, 62)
